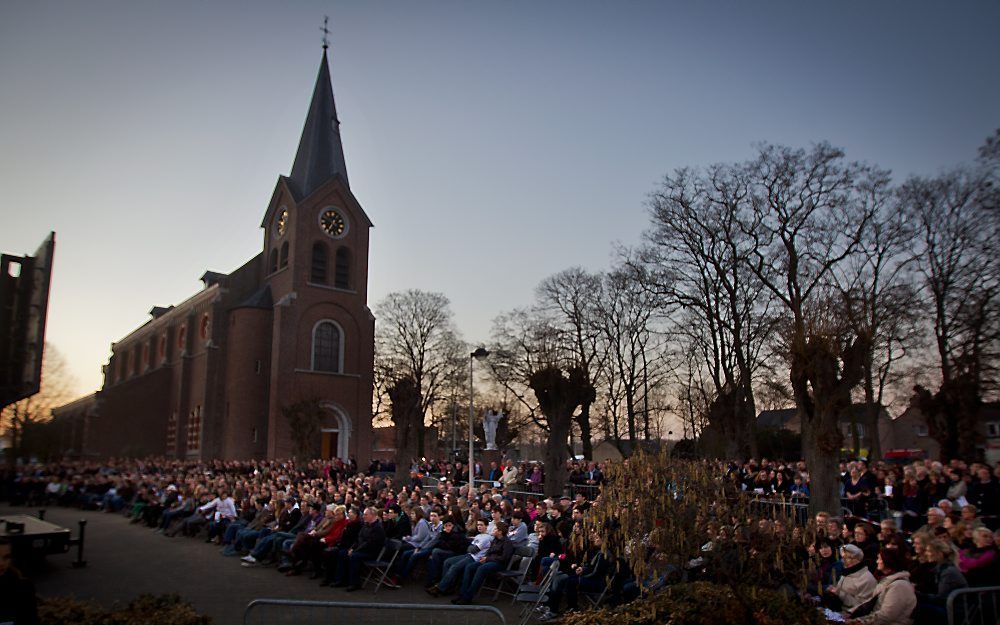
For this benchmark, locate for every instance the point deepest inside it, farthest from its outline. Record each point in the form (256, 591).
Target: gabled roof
(261, 299)
(775, 419)
(320, 154)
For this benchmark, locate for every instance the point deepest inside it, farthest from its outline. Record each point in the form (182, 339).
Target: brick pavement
(126, 560)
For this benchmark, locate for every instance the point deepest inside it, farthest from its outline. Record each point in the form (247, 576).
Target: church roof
(261, 299)
(321, 154)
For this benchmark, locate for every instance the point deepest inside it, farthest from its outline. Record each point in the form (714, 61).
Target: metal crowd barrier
(294, 612)
(799, 512)
(974, 606)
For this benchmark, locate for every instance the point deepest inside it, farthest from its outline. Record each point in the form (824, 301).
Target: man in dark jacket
(397, 524)
(495, 560)
(451, 542)
(370, 541)
(590, 576)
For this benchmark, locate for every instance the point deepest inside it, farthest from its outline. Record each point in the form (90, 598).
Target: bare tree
(57, 388)
(416, 339)
(625, 316)
(407, 419)
(878, 299)
(696, 256)
(956, 218)
(559, 395)
(570, 300)
(809, 213)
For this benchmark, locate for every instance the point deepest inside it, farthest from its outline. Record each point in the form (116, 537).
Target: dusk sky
(492, 143)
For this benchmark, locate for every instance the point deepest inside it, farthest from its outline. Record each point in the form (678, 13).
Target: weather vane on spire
(326, 32)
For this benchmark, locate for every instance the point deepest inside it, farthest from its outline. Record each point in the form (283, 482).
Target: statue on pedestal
(490, 422)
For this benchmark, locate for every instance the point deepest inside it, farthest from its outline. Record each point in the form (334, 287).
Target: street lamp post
(479, 354)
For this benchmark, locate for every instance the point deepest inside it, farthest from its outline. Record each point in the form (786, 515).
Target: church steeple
(321, 154)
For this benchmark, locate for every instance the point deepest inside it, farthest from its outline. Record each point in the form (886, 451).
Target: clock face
(333, 223)
(282, 222)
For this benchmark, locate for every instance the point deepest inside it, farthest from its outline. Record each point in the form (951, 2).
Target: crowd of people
(907, 536)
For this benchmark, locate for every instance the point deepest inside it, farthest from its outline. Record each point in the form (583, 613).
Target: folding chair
(533, 595)
(595, 599)
(517, 572)
(379, 567)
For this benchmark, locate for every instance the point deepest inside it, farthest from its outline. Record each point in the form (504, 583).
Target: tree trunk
(586, 437)
(821, 441)
(407, 418)
(556, 455)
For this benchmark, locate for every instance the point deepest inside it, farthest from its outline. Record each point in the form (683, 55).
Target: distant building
(788, 419)
(209, 377)
(910, 431)
(72, 423)
(384, 444)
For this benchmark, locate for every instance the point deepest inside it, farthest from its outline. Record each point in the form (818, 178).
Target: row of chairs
(533, 596)
(512, 582)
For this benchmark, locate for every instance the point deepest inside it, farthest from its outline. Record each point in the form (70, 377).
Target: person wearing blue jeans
(450, 543)
(454, 566)
(496, 558)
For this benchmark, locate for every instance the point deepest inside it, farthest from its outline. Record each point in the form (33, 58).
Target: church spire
(321, 154)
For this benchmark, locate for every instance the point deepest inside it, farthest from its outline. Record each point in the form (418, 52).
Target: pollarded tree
(570, 300)
(809, 212)
(559, 395)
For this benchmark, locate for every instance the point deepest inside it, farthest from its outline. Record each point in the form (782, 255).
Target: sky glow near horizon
(493, 144)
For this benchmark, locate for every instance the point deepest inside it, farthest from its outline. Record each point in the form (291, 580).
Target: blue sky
(492, 143)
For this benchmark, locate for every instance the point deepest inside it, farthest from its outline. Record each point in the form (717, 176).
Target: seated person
(589, 576)
(454, 567)
(450, 543)
(856, 584)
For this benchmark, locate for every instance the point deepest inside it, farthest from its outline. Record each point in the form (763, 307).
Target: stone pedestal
(486, 457)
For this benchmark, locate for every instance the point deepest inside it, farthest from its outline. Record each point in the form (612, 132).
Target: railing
(781, 508)
(293, 612)
(974, 606)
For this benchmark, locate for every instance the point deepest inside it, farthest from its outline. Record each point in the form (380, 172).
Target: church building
(214, 376)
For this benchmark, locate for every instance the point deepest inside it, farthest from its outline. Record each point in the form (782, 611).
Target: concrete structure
(212, 376)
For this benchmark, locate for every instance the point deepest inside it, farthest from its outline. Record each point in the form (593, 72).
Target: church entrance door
(331, 438)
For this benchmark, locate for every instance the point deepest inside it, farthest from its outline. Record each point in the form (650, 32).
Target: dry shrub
(702, 603)
(656, 513)
(144, 610)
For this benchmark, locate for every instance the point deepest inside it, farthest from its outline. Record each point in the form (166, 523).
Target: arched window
(284, 254)
(273, 264)
(317, 273)
(206, 326)
(328, 347)
(342, 270)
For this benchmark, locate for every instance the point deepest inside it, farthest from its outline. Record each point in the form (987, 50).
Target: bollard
(80, 562)
(41, 514)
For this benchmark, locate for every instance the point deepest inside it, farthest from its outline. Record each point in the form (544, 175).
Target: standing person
(18, 604)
